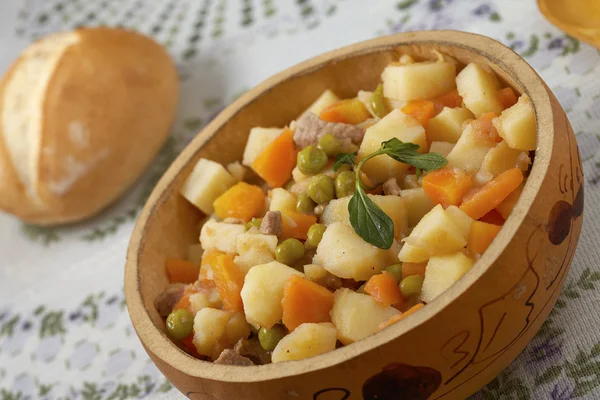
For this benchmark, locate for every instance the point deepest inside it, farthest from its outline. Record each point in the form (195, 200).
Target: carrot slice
(384, 288)
(348, 111)
(450, 99)
(184, 301)
(447, 186)
(484, 130)
(421, 110)
(507, 97)
(398, 317)
(276, 162)
(295, 225)
(480, 236)
(241, 201)
(493, 217)
(182, 271)
(409, 269)
(229, 280)
(305, 301)
(481, 202)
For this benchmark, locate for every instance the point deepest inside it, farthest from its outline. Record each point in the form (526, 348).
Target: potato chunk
(443, 148)
(326, 98)
(343, 253)
(447, 125)
(207, 181)
(517, 126)
(307, 340)
(220, 235)
(395, 124)
(442, 272)
(209, 328)
(258, 140)
(417, 204)
(254, 249)
(470, 151)
(263, 291)
(418, 81)
(502, 158)
(461, 219)
(282, 200)
(357, 315)
(478, 90)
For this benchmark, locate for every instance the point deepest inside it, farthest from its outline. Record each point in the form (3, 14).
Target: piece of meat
(251, 348)
(165, 301)
(332, 282)
(271, 223)
(391, 187)
(310, 128)
(230, 357)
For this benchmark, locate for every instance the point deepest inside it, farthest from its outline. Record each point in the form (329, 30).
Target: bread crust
(107, 110)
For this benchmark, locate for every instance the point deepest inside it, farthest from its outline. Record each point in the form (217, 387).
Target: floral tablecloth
(64, 329)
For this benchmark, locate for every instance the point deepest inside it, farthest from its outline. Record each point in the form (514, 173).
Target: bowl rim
(157, 343)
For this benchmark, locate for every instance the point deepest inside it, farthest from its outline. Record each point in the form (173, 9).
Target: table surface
(64, 329)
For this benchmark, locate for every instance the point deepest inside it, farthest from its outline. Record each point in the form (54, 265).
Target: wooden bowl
(458, 342)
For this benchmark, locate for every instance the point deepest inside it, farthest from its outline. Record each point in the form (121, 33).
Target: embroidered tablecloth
(64, 328)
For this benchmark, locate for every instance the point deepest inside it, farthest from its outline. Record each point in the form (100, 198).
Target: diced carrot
(447, 186)
(450, 99)
(480, 236)
(348, 111)
(421, 110)
(493, 217)
(182, 271)
(208, 258)
(484, 130)
(507, 97)
(184, 301)
(276, 162)
(229, 280)
(506, 207)
(481, 202)
(295, 225)
(384, 288)
(409, 269)
(242, 201)
(188, 344)
(398, 317)
(305, 301)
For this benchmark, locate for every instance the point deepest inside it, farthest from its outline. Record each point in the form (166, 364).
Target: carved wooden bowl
(458, 342)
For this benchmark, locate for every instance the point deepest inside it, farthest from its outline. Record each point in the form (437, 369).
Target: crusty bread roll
(82, 114)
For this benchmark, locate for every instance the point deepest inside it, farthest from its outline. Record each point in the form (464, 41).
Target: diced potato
(343, 253)
(461, 219)
(307, 340)
(411, 181)
(418, 81)
(502, 158)
(282, 200)
(326, 99)
(263, 291)
(315, 272)
(254, 249)
(220, 235)
(237, 170)
(406, 59)
(395, 124)
(436, 233)
(207, 181)
(209, 328)
(417, 204)
(413, 254)
(393, 206)
(443, 148)
(469, 152)
(298, 176)
(447, 125)
(357, 315)
(442, 272)
(506, 207)
(478, 89)
(237, 328)
(517, 126)
(258, 140)
(194, 253)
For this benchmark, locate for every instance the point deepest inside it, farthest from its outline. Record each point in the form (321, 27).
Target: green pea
(396, 270)
(254, 223)
(314, 236)
(304, 204)
(330, 145)
(411, 286)
(269, 338)
(180, 323)
(311, 160)
(378, 104)
(289, 251)
(321, 189)
(345, 184)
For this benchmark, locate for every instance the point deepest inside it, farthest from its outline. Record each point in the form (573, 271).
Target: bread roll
(82, 114)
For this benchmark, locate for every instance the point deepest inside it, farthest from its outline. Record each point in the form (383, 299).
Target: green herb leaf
(369, 221)
(344, 158)
(407, 153)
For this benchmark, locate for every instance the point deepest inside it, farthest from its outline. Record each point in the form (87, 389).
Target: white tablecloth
(64, 329)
